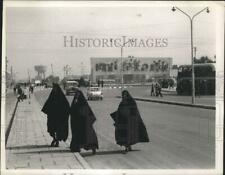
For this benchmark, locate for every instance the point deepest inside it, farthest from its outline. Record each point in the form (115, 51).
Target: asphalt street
(180, 137)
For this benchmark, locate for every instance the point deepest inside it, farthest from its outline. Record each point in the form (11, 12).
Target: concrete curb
(175, 103)
(10, 123)
(79, 158)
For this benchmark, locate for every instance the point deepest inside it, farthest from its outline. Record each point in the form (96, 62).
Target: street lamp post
(192, 58)
(121, 70)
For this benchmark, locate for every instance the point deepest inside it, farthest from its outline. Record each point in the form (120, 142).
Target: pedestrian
(20, 94)
(27, 92)
(129, 127)
(82, 120)
(14, 90)
(158, 90)
(31, 89)
(57, 109)
(153, 90)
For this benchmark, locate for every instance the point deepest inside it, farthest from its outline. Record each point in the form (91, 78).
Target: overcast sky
(34, 35)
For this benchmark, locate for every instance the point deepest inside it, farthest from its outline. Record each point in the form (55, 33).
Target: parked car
(94, 93)
(71, 86)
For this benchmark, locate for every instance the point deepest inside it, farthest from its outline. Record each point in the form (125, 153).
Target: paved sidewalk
(28, 142)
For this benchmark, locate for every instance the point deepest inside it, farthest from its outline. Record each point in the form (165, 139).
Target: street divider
(174, 103)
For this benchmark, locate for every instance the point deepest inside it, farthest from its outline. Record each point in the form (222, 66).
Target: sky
(35, 35)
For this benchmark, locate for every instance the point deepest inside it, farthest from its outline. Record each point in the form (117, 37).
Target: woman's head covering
(127, 98)
(79, 98)
(56, 100)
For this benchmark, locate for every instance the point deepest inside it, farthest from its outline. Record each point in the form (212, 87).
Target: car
(71, 86)
(94, 93)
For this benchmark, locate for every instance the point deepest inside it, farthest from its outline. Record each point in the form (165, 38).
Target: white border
(219, 85)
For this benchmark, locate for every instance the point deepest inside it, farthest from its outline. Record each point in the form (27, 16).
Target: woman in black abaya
(82, 119)
(57, 109)
(129, 127)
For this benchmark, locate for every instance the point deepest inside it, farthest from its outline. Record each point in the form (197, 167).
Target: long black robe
(57, 109)
(129, 127)
(82, 119)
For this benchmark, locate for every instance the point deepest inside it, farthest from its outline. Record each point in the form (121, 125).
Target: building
(135, 69)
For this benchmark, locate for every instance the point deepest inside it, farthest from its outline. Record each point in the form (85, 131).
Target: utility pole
(11, 75)
(6, 65)
(28, 73)
(195, 50)
(121, 61)
(82, 69)
(52, 70)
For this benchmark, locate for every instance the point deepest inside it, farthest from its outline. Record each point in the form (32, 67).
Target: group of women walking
(129, 127)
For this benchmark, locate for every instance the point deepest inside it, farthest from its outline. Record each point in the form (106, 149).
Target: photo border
(219, 122)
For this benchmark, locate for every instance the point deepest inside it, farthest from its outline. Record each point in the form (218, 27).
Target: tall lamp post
(121, 70)
(121, 60)
(192, 58)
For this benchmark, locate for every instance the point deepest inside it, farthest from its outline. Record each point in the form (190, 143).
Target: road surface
(180, 137)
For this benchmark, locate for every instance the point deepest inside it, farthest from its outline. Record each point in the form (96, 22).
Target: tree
(203, 59)
(174, 66)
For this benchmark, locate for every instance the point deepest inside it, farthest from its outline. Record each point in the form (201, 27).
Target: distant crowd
(23, 92)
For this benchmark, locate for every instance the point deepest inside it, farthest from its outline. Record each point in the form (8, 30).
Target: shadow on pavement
(45, 152)
(106, 152)
(28, 147)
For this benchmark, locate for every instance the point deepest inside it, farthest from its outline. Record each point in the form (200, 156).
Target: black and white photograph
(118, 87)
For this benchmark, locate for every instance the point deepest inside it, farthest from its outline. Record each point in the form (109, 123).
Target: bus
(204, 79)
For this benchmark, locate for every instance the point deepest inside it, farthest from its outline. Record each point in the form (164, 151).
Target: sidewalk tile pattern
(28, 145)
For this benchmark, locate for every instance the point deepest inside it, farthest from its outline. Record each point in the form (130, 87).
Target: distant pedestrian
(27, 92)
(153, 89)
(82, 120)
(158, 90)
(99, 83)
(129, 127)
(57, 109)
(14, 90)
(31, 89)
(20, 95)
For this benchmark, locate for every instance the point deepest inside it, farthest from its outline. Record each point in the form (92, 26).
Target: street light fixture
(192, 58)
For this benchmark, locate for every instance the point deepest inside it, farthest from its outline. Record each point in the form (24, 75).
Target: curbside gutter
(175, 103)
(10, 123)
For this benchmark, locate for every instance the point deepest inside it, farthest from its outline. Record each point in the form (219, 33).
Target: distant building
(135, 69)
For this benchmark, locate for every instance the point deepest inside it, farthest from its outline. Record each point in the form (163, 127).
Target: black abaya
(57, 109)
(129, 127)
(82, 119)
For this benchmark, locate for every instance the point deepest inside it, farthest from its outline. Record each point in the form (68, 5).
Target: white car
(94, 93)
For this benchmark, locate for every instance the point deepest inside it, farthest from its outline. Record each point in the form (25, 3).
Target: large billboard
(149, 66)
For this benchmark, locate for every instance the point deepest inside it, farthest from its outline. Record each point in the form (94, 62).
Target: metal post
(192, 64)
(121, 70)
(192, 58)
(52, 70)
